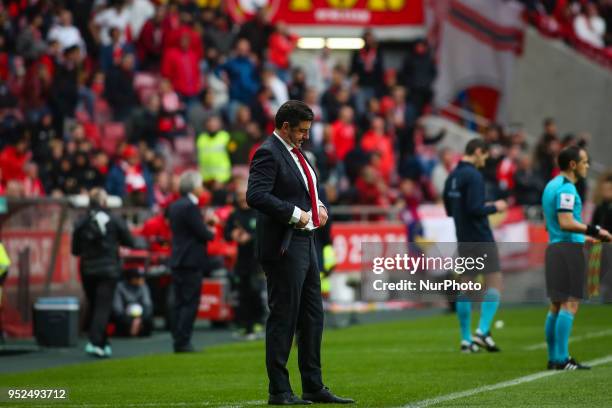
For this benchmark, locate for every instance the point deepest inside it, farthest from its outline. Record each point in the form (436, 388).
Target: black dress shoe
(324, 395)
(286, 398)
(184, 349)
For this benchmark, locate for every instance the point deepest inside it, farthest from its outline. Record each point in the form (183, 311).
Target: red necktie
(311, 187)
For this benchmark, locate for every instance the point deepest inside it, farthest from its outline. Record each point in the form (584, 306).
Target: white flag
(479, 43)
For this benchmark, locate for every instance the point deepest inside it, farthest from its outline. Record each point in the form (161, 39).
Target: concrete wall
(553, 80)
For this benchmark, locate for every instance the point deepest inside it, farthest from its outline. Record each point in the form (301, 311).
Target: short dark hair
(475, 144)
(293, 112)
(567, 155)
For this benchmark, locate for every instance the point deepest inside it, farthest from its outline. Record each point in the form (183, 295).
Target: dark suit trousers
(294, 298)
(187, 285)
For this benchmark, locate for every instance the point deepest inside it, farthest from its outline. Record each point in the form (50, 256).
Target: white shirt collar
(287, 145)
(193, 198)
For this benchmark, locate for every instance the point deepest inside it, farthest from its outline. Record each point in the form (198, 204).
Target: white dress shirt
(297, 211)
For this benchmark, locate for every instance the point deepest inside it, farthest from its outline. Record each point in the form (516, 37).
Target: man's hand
(211, 219)
(304, 218)
(323, 216)
(500, 205)
(605, 235)
(236, 234)
(244, 237)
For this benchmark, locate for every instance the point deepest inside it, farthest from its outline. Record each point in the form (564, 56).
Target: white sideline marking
(503, 384)
(573, 339)
(237, 404)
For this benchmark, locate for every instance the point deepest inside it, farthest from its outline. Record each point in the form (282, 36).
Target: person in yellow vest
(329, 263)
(5, 262)
(213, 155)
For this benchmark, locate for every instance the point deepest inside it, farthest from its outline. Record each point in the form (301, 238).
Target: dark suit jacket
(189, 236)
(275, 187)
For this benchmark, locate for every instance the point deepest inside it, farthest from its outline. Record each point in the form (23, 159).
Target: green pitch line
(389, 364)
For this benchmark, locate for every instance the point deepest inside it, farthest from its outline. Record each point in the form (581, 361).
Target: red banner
(347, 239)
(333, 12)
(40, 244)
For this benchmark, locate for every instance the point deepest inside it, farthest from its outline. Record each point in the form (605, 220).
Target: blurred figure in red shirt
(12, 161)
(371, 189)
(280, 46)
(376, 140)
(156, 230)
(149, 44)
(179, 27)
(180, 66)
(343, 132)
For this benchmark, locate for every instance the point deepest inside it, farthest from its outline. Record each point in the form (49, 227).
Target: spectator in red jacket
(180, 66)
(281, 44)
(156, 230)
(343, 132)
(376, 140)
(13, 160)
(371, 189)
(174, 33)
(149, 44)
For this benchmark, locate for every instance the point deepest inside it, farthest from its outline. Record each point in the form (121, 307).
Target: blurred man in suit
(188, 260)
(283, 189)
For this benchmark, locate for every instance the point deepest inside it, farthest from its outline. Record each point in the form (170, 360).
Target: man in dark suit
(188, 259)
(283, 189)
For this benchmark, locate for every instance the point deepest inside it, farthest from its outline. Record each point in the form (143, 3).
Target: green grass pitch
(380, 365)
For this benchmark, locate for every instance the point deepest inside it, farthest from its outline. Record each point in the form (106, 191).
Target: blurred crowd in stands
(584, 24)
(127, 94)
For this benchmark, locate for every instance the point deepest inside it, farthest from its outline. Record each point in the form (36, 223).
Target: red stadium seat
(92, 132)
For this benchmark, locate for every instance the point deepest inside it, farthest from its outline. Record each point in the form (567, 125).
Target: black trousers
(187, 285)
(99, 292)
(296, 306)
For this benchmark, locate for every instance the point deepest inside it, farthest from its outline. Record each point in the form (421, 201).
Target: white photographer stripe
(493, 387)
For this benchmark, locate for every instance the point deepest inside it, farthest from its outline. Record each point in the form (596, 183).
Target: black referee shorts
(565, 271)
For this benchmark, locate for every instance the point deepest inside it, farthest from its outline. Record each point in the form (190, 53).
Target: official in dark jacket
(188, 259)
(282, 188)
(464, 200)
(96, 240)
